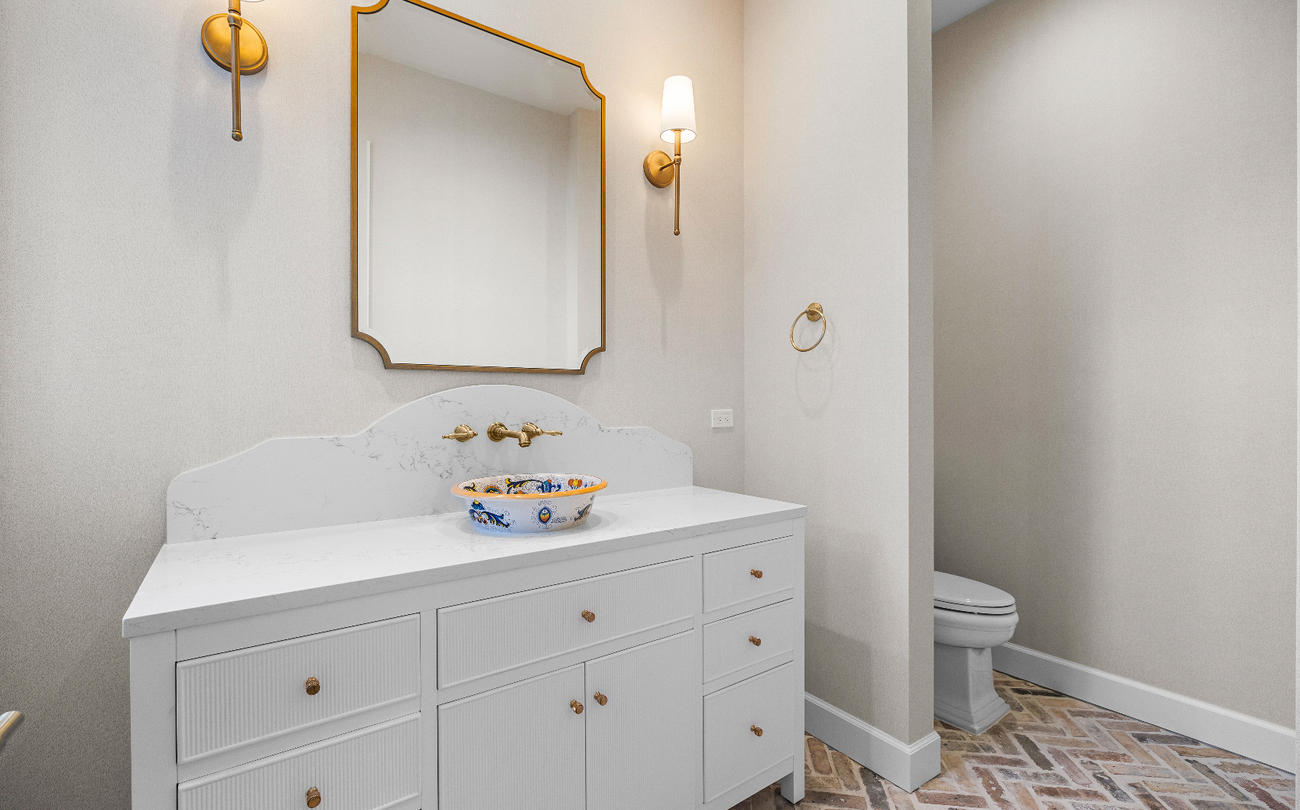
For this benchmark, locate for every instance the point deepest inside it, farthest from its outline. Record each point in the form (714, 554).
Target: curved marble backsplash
(402, 467)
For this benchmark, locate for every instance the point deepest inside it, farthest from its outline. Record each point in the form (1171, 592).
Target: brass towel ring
(813, 313)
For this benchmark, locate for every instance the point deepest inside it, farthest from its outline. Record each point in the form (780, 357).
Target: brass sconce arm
(236, 23)
(662, 170)
(677, 182)
(236, 45)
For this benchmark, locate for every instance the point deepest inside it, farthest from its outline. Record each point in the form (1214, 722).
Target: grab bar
(9, 723)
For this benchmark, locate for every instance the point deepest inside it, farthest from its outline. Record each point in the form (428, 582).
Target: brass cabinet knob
(601, 699)
(576, 706)
(755, 573)
(589, 616)
(758, 732)
(313, 797)
(312, 686)
(755, 640)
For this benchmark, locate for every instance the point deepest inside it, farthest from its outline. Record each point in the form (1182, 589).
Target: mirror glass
(478, 195)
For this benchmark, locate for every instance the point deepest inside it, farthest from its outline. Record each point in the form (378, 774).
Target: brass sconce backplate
(216, 43)
(659, 169)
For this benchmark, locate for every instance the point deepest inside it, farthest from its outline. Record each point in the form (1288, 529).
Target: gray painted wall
(149, 325)
(1115, 300)
(836, 119)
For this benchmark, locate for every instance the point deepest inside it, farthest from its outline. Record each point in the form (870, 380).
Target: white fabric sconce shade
(678, 109)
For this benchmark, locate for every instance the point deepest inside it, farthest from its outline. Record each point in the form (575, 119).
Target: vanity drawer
(482, 638)
(241, 697)
(748, 640)
(749, 572)
(375, 767)
(733, 751)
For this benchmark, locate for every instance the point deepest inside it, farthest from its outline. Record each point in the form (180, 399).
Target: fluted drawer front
(734, 751)
(748, 640)
(375, 767)
(482, 638)
(756, 571)
(236, 698)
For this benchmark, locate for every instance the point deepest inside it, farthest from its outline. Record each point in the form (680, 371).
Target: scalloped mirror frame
(357, 11)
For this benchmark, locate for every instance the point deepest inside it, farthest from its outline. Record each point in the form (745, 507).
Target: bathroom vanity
(652, 657)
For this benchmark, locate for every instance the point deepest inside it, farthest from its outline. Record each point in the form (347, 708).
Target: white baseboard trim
(908, 766)
(1222, 728)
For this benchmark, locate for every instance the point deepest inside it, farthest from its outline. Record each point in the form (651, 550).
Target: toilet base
(963, 688)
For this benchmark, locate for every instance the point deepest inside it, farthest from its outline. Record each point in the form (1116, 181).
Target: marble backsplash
(402, 467)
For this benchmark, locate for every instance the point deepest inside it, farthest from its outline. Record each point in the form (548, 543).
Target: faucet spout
(498, 431)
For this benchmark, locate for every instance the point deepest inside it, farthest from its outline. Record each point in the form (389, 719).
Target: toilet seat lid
(952, 592)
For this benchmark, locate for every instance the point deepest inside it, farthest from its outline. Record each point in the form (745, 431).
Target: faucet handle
(533, 430)
(462, 433)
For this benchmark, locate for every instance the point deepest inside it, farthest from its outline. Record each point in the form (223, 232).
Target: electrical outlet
(723, 419)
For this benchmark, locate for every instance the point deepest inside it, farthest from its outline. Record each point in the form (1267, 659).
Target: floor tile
(1052, 752)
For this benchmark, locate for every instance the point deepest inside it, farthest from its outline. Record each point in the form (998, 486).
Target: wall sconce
(676, 126)
(225, 35)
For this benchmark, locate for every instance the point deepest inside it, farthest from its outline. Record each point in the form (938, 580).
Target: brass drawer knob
(601, 699)
(758, 732)
(313, 797)
(313, 686)
(576, 706)
(589, 616)
(755, 640)
(755, 573)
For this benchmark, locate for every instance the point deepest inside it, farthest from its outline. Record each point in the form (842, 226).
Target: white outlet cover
(725, 418)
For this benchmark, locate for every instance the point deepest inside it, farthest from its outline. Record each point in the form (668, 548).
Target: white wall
(1115, 307)
(836, 113)
(169, 297)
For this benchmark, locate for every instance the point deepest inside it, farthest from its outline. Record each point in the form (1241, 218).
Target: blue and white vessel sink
(526, 504)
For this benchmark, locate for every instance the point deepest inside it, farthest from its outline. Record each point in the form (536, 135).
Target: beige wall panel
(1115, 308)
(827, 139)
(169, 297)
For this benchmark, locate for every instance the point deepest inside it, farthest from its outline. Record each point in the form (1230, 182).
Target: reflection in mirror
(478, 196)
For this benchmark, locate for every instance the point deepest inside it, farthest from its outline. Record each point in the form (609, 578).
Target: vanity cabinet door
(515, 747)
(643, 742)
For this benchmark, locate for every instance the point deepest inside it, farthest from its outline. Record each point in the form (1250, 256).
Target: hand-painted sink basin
(525, 504)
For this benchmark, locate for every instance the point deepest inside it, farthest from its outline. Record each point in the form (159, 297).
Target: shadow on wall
(814, 371)
(203, 163)
(663, 251)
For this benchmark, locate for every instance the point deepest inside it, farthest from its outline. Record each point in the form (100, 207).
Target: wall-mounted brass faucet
(525, 434)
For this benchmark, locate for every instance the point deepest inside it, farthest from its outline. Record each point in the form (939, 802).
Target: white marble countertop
(207, 581)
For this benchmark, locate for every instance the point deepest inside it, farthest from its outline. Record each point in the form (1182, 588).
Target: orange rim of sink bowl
(525, 496)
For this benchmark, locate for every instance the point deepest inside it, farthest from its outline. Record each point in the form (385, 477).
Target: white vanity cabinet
(650, 659)
(610, 734)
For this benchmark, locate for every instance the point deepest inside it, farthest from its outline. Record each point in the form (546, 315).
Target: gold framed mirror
(478, 196)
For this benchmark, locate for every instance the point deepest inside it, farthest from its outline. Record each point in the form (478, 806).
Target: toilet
(970, 619)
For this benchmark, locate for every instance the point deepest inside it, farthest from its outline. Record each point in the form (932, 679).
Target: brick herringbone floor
(1051, 752)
